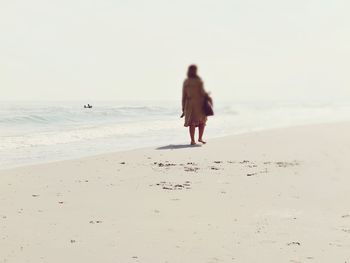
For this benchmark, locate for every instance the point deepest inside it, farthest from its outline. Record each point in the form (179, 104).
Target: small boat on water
(88, 106)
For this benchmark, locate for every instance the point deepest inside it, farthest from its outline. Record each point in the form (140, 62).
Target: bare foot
(193, 143)
(202, 141)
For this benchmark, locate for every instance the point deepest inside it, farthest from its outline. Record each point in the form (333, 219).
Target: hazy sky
(125, 49)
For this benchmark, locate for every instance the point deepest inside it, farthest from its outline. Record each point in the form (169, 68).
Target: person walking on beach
(193, 98)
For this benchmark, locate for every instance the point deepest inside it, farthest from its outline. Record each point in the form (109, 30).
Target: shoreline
(262, 130)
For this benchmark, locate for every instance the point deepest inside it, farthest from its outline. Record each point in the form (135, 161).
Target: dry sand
(274, 196)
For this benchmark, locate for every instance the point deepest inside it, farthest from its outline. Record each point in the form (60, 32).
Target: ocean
(38, 132)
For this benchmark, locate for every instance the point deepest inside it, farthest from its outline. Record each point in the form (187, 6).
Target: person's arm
(203, 92)
(183, 96)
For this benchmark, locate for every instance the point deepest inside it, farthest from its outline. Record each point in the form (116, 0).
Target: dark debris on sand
(167, 164)
(286, 164)
(191, 169)
(257, 167)
(251, 174)
(174, 186)
(294, 243)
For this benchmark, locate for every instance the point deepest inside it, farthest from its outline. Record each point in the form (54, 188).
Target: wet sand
(273, 196)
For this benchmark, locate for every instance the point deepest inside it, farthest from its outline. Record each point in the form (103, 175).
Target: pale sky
(125, 49)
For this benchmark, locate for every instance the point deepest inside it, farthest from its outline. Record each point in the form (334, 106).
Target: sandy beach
(273, 196)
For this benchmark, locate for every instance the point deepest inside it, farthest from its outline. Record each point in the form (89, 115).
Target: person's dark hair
(192, 71)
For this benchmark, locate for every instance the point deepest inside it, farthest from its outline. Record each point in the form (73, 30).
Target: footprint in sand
(335, 244)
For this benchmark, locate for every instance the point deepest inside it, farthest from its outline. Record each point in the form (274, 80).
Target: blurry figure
(193, 99)
(88, 106)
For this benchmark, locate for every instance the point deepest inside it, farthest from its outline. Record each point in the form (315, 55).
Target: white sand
(294, 206)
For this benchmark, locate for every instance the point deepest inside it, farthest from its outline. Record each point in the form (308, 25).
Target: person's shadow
(177, 146)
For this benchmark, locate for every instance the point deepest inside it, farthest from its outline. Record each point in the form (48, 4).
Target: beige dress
(193, 95)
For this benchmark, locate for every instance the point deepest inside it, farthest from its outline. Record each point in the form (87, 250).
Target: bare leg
(192, 130)
(201, 131)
